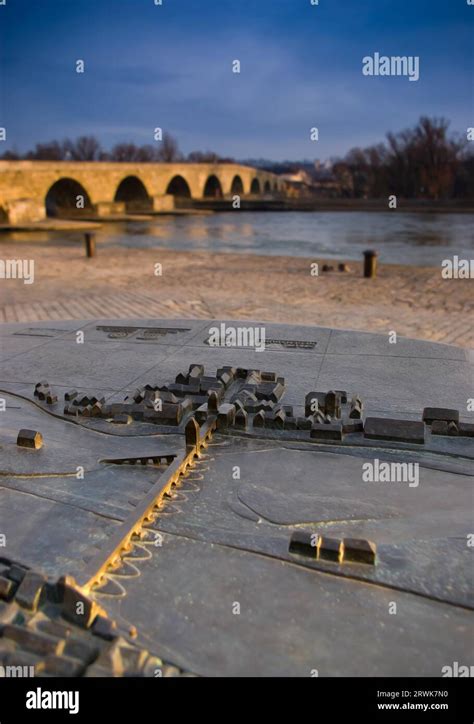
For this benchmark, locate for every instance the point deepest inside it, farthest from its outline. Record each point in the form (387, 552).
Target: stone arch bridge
(31, 190)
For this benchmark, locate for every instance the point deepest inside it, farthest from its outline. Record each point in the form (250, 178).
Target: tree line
(88, 148)
(421, 162)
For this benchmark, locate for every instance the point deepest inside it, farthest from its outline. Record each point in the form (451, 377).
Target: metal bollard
(89, 240)
(370, 263)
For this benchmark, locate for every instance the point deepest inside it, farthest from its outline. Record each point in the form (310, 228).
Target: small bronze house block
(304, 543)
(30, 438)
(329, 549)
(359, 550)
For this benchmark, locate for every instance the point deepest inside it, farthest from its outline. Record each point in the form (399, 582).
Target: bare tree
(345, 178)
(437, 156)
(168, 150)
(124, 152)
(420, 162)
(10, 156)
(203, 157)
(134, 154)
(147, 154)
(50, 151)
(85, 148)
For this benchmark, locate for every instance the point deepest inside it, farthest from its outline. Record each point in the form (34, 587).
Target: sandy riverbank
(118, 282)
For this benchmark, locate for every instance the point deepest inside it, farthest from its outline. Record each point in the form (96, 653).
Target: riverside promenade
(413, 301)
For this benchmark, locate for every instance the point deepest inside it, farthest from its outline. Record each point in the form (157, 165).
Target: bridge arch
(267, 187)
(213, 188)
(66, 195)
(237, 186)
(132, 191)
(178, 186)
(255, 186)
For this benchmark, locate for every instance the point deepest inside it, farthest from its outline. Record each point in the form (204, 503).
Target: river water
(399, 237)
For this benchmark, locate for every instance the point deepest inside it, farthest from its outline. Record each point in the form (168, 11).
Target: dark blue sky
(170, 66)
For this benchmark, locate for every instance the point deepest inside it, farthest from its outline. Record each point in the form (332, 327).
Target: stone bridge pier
(32, 190)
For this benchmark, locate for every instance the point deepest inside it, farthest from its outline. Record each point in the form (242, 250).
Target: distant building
(314, 181)
(298, 184)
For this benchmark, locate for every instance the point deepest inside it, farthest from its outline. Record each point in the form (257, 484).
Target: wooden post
(89, 240)
(370, 264)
